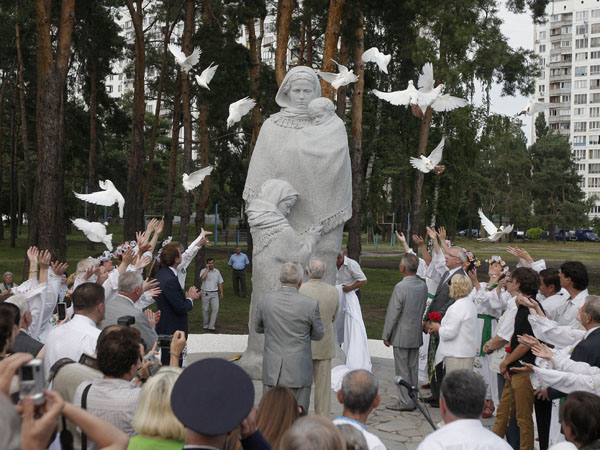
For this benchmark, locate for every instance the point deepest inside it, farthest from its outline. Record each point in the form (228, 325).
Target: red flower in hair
(435, 317)
(508, 349)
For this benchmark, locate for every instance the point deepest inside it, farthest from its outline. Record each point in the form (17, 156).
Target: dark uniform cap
(212, 396)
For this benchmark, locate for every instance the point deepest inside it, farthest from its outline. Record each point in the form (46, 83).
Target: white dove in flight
(185, 62)
(397, 97)
(109, 196)
(194, 179)
(239, 109)
(374, 55)
(492, 231)
(533, 107)
(427, 95)
(338, 80)
(427, 163)
(95, 232)
(206, 75)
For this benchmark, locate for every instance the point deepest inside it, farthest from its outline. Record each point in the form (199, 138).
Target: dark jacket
(172, 304)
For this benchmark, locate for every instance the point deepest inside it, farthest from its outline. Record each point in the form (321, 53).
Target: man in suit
(289, 320)
(455, 258)
(173, 303)
(23, 341)
(403, 329)
(130, 291)
(324, 350)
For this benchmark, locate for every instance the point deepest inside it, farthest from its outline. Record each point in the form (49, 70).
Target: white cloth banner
(355, 343)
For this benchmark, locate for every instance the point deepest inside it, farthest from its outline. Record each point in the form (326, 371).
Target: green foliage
(534, 233)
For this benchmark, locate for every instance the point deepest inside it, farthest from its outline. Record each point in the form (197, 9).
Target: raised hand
(431, 233)
(93, 270)
(58, 268)
(149, 284)
(418, 240)
(442, 233)
(159, 227)
(32, 256)
(178, 343)
(142, 262)
(472, 275)
(8, 368)
(524, 257)
(38, 423)
(128, 256)
(400, 237)
(527, 340)
(193, 293)
(542, 351)
(44, 258)
(151, 316)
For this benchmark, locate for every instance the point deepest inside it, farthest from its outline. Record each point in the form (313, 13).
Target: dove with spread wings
(533, 107)
(375, 56)
(239, 109)
(428, 163)
(494, 233)
(206, 76)
(337, 80)
(185, 62)
(109, 196)
(94, 231)
(194, 179)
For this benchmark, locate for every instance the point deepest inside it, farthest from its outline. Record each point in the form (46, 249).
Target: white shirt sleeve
(568, 382)
(356, 271)
(144, 301)
(538, 265)
(506, 328)
(190, 253)
(23, 288)
(548, 331)
(36, 299)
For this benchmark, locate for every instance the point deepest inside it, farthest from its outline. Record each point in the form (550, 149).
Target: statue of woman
(316, 164)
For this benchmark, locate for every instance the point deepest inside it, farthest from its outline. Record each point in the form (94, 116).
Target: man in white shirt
(359, 397)
(80, 334)
(212, 293)
(574, 278)
(462, 397)
(552, 296)
(349, 274)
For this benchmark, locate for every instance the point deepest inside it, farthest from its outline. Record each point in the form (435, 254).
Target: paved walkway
(397, 430)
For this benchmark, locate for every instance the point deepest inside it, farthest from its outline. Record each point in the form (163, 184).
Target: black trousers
(239, 278)
(543, 417)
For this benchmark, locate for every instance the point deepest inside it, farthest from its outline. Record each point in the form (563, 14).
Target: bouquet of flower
(434, 317)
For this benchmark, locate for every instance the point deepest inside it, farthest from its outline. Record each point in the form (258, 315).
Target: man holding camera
(212, 293)
(123, 305)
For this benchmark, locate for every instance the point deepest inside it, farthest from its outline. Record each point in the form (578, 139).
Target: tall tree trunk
(93, 141)
(47, 224)
(256, 61)
(355, 223)
(134, 212)
(309, 41)
(161, 81)
(168, 230)
(202, 199)
(332, 35)
(341, 92)
(416, 223)
(24, 135)
(14, 138)
(302, 44)
(284, 22)
(188, 31)
(2, 91)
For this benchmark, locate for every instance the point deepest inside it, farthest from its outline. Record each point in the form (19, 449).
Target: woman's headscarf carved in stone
(263, 211)
(283, 94)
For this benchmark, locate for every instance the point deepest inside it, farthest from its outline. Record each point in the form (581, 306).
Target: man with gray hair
(359, 396)
(455, 257)
(289, 320)
(24, 343)
(130, 290)
(403, 329)
(324, 350)
(461, 403)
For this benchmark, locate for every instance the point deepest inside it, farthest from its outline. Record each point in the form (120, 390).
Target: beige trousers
(322, 378)
(457, 363)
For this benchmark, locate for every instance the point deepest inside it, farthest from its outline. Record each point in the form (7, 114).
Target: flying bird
(337, 80)
(95, 232)
(239, 109)
(206, 75)
(492, 231)
(109, 196)
(533, 107)
(185, 62)
(427, 163)
(194, 179)
(397, 97)
(374, 55)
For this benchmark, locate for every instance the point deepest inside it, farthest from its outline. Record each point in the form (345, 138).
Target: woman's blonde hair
(154, 416)
(460, 286)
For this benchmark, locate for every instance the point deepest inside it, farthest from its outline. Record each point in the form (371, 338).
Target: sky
(519, 30)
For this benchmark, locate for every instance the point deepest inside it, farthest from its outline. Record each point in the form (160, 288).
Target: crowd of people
(115, 373)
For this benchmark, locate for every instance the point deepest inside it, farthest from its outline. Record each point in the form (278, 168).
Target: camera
(155, 367)
(164, 340)
(32, 383)
(87, 360)
(61, 307)
(126, 320)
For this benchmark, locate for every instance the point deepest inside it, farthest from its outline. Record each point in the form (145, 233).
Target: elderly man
(289, 320)
(461, 403)
(359, 397)
(349, 274)
(455, 258)
(324, 350)
(403, 329)
(24, 343)
(130, 291)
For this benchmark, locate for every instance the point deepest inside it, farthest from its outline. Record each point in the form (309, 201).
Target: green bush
(534, 233)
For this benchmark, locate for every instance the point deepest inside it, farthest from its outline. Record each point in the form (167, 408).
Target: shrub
(534, 233)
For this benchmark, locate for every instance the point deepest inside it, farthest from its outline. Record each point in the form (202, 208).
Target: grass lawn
(380, 266)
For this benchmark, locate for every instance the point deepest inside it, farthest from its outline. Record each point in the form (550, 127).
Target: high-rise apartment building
(568, 45)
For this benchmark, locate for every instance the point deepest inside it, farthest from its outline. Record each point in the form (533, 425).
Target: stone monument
(298, 192)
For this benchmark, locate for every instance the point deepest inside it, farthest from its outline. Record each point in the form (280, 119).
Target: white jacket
(458, 331)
